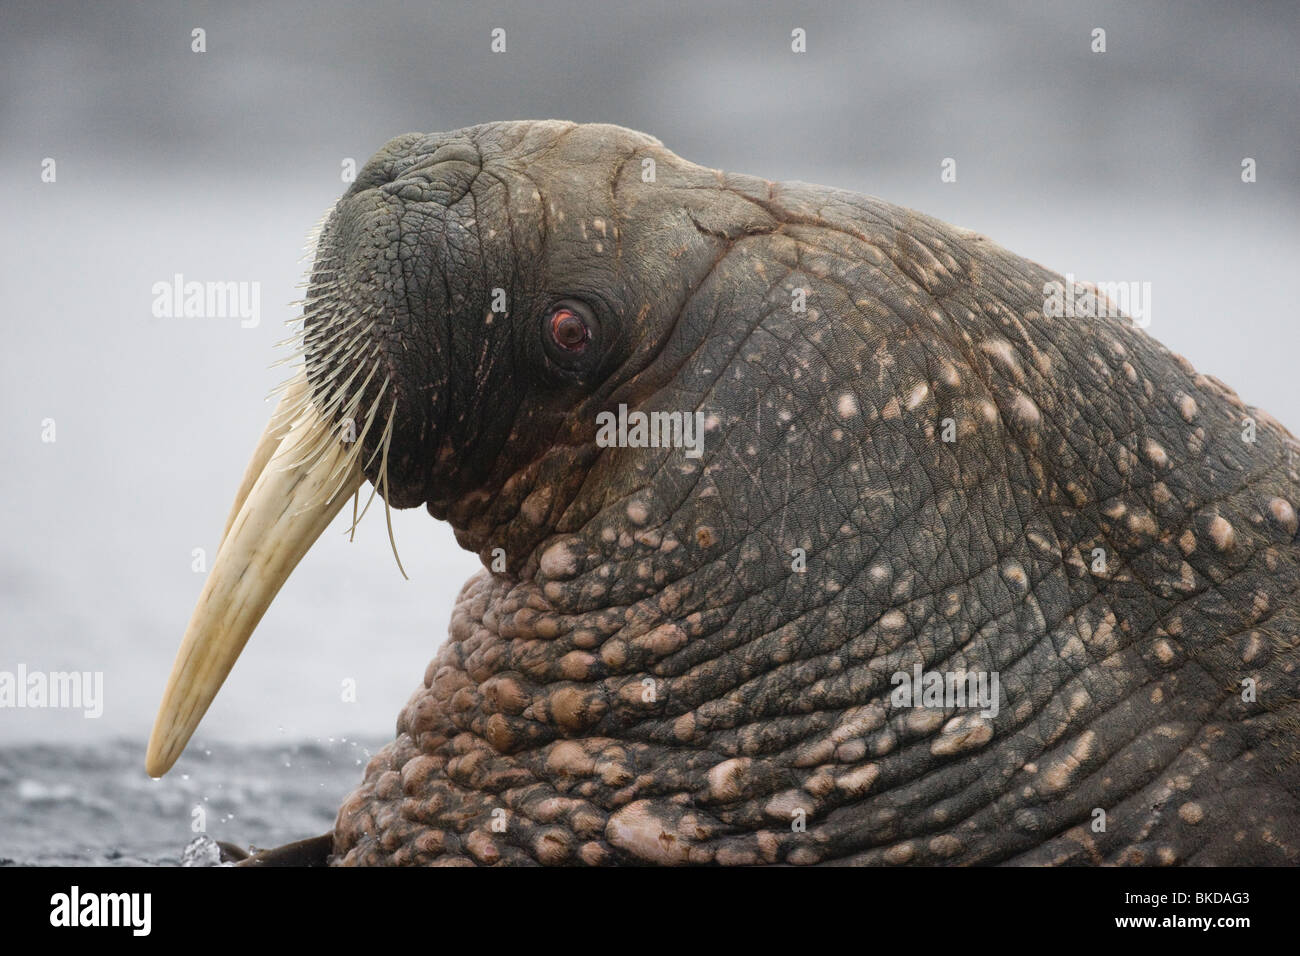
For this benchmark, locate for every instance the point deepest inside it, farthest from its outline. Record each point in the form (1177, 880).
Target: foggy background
(1122, 166)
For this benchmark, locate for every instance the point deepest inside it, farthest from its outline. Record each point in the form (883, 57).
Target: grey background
(1115, 167)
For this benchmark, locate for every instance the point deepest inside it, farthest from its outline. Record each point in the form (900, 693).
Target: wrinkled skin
(649, 680)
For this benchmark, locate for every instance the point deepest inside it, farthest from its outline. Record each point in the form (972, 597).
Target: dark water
(95, 806)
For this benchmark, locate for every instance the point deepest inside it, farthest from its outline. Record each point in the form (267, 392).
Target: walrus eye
(569, 330)
(573, 340)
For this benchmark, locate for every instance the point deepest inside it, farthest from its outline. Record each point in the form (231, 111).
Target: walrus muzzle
(293, 487)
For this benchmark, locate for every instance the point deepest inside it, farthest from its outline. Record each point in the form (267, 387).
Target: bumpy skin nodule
(650, 681)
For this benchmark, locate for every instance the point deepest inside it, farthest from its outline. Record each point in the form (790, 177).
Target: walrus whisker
(322, 387)
(383, 477)
(326, 446)
(374, 408)
(340, 355)
(291, 359)
(339, 400)
(312, 242)
(285, 415)
(322, 287)
(357, 440)
(326, 398)
(323, 277)
(338, 478)
(374, 488)
(334, 340)
(356, 498)
(355, 453)
(277, 389)
(318, 440)
(325, 351)
(340, 363)
(327, 332)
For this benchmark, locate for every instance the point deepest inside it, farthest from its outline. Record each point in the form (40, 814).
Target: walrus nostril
(420, 170)
(452, 152)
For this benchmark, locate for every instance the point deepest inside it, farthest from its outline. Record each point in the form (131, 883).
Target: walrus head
(474, 299)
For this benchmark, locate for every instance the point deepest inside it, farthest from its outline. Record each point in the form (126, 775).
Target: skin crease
(648, 678)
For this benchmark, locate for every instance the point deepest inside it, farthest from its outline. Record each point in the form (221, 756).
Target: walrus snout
(368, 347)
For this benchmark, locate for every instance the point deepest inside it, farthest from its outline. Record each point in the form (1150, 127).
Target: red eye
(569, 331)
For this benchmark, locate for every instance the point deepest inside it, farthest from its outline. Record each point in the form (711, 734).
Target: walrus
(947, 575)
